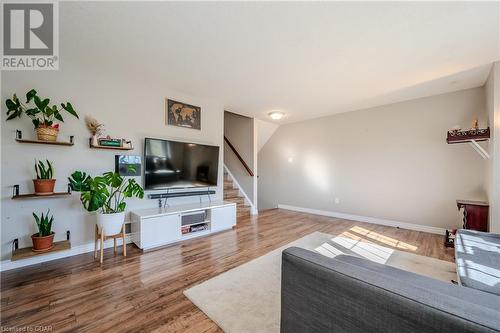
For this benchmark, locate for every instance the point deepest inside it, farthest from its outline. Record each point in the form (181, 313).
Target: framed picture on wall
(182, 114)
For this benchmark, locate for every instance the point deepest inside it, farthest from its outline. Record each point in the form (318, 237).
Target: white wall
(390, 162)
(130, 105)
(492, 94)
(265, 131)
(240, 132)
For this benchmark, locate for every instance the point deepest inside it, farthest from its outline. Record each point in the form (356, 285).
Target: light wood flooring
(143, 292)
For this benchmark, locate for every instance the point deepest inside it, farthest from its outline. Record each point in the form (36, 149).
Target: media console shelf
(161, 226)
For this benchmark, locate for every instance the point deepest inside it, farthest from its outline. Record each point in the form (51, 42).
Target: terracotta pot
(47, 133)
(44, 186)
(41, 244)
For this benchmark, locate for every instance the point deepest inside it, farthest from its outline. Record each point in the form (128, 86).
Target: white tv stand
(161, 226)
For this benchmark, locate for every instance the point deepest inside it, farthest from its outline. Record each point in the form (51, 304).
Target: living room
(250, 166)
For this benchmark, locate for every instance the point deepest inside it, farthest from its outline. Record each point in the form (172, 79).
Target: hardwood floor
(143, 292)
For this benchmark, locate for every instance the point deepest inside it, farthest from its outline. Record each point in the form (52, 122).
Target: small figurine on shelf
(475, 125)
(95, 128)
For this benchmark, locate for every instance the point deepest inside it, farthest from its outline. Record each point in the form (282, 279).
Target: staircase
(232, 194)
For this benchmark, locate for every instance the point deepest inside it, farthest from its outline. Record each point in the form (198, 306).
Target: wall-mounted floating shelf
(92, 146)
(472, 137)
(17, 196)
(19, 138)
(27, 252)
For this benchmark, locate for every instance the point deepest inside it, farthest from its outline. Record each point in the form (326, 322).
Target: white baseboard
(6, 265)
(373, 220)
(253, 209)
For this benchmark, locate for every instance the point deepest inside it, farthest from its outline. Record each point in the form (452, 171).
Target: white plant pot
(110, 224)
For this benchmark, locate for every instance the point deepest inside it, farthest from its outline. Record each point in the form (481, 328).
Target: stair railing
(247, 168)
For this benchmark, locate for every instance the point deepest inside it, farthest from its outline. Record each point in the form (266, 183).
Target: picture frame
(182, 114)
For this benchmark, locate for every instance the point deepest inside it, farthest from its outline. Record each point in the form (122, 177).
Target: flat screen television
(174, 164)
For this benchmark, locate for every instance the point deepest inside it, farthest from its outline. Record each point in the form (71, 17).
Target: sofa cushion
(477, 256)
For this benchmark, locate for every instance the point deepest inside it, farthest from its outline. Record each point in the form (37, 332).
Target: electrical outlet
(337, 201)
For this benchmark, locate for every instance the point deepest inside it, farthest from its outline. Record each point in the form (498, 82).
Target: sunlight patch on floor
(371, 235)
(346, 245)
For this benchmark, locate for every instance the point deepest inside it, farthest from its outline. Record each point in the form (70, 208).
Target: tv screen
(174, 164)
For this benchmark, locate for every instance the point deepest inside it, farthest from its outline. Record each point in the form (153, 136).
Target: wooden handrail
(247, 168)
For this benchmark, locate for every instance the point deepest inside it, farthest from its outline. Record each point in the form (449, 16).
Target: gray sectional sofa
(350, 294)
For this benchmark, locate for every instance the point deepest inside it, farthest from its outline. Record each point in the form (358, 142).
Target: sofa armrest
(349, 294)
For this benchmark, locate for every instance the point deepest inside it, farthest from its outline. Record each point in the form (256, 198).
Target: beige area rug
(247, 298)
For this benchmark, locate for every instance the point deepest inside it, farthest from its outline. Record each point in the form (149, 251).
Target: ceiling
(306, 59)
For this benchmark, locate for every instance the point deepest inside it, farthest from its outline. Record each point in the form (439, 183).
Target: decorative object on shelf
(44, 183)
(182, 114)
(42, 115)
(109, 142)
(44, 239)
(97, 141)
(475, 125)
(458, 136)
(96, 129)
(125, 145)
(128, 165)
(106, 195)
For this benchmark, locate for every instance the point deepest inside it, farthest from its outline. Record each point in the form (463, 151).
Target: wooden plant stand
(99, 236)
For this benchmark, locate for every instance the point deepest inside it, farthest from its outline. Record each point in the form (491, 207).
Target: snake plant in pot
(42, 115)
(106, 196)
(44, 239)
(44, 183)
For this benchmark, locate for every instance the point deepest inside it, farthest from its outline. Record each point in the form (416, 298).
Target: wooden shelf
(36, 196)
(27, 252)
(108, 148)
(468, 136)
(19, 138)
(57, 143)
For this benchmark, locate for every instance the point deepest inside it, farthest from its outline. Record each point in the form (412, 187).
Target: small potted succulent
(41, 113)
(106, 195)
(44, 239)
(44, 183)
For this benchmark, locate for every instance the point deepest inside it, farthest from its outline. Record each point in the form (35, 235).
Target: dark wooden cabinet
(475, 214)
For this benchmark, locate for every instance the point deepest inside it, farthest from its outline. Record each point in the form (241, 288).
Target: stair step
(238, 200)
(232, 191)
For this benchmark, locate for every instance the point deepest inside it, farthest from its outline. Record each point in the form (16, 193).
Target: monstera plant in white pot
(106, 196)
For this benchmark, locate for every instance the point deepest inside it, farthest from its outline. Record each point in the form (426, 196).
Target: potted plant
(105, 195)
(41, 113)
(44, 183)
(44, 239)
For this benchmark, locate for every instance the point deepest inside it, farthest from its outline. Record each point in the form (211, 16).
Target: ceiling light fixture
(276, 115)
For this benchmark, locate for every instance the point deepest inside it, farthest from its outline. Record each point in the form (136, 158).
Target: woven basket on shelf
(47, 133)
